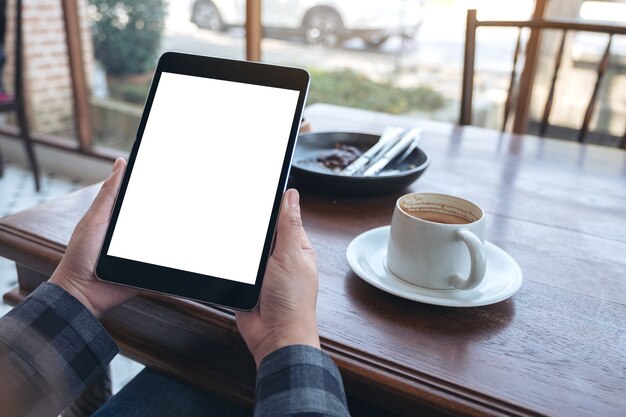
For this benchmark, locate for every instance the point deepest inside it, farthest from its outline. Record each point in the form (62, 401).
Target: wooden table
(558, 347)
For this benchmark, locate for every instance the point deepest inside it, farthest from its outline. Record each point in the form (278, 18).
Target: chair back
(565, 26)
(18, 86)
(17, 102)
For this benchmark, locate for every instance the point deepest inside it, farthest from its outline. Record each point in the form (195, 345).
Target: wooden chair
(16, 103)
(531, 56)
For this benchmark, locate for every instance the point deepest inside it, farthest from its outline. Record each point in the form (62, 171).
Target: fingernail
(294, 199)
(117, 164)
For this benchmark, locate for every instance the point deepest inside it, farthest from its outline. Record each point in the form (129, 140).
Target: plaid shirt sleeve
(299, 381)
(51, 349)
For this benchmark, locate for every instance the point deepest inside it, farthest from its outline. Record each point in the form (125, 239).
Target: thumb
(289, 230)
(103, 204)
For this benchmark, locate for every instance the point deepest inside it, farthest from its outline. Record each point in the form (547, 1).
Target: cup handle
(478, 262)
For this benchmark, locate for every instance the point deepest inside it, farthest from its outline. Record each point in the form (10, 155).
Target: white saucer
(367, 255)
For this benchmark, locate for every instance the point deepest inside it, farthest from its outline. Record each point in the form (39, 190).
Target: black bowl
(309, 173)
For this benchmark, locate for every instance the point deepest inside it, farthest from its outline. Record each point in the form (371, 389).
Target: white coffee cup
(436, 241)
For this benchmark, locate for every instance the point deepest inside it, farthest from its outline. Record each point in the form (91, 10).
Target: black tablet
(196, 211)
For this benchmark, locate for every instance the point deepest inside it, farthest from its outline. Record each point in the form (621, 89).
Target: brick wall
(46, 67)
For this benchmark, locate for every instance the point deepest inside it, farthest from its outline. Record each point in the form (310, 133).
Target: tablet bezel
(187, 284)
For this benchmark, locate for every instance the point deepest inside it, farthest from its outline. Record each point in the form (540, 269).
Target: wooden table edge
(356, 367)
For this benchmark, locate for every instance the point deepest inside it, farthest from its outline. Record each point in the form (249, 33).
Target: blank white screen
(201, 191)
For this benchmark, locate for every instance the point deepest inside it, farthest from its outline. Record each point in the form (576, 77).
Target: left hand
(76, 272)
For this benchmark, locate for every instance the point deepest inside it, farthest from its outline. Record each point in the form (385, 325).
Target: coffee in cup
(436, 217)
(436, 241)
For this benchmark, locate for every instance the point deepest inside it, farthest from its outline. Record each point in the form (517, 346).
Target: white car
(320, 22)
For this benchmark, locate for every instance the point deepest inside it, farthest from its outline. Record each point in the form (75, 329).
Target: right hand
(286, 311)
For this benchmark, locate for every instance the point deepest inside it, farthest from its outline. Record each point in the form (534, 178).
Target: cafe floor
(17, 193)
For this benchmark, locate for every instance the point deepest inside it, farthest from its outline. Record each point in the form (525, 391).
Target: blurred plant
(344, 88)
(127, 34)
(349, 88)
(130, 92)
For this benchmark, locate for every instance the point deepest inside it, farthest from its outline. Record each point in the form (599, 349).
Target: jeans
(155, 395)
